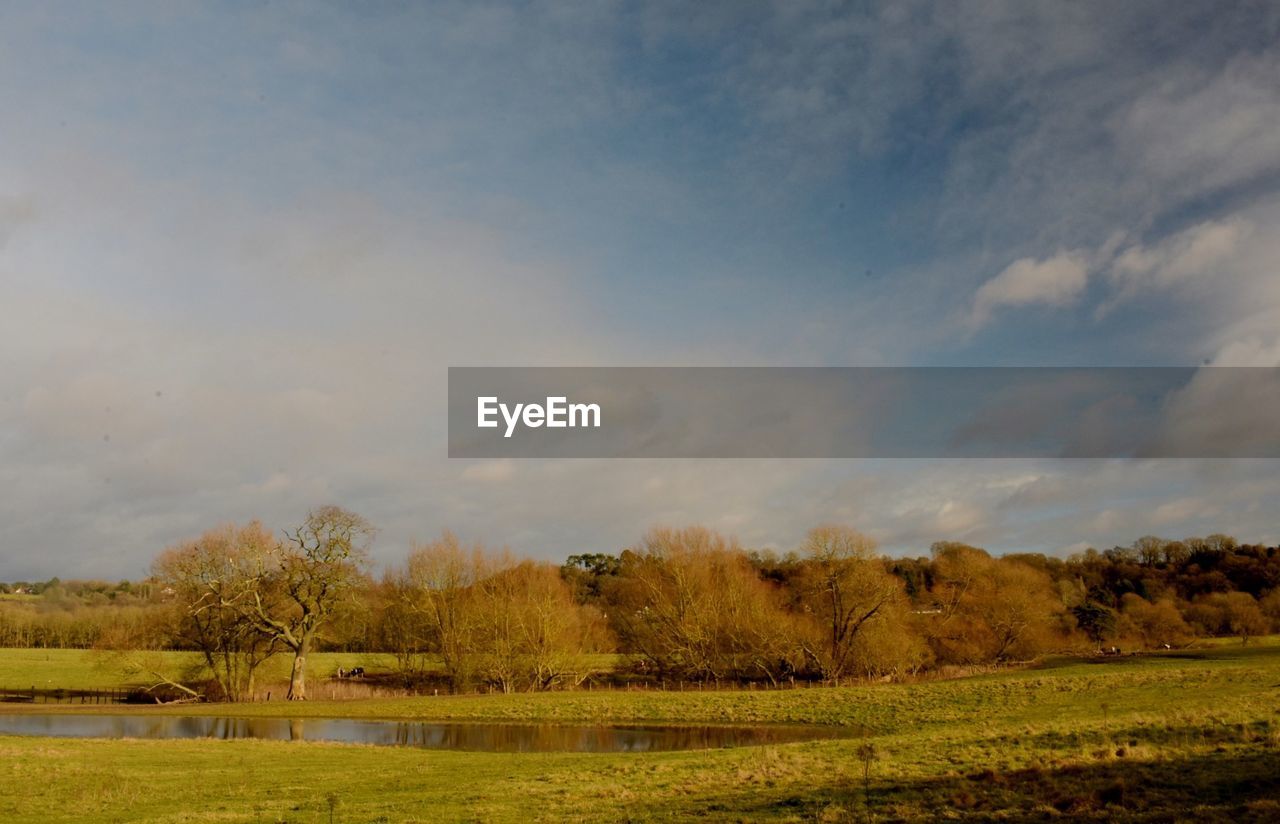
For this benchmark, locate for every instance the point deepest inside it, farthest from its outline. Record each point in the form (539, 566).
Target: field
(86, 669)
(1189, 736)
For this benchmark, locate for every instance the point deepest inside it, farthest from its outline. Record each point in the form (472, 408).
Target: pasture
(91, 669)
(1184, 736)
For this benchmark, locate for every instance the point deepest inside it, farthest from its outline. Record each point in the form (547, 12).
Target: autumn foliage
(682, 605)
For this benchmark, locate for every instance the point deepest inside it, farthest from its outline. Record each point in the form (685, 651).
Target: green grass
(1191, 736)
(90, 669)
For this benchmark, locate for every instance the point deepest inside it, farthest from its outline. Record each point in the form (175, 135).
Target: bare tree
(989, 609)
(296, 585)
(210, 578)
(847, 590)
(529, 632)
(691, 604)
(1152, 625)
(513, 625)
(433, 595)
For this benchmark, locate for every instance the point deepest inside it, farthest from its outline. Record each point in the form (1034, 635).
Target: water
(478, 737)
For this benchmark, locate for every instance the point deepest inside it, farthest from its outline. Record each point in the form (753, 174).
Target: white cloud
(1221, 411)
(1201, 251)
(1249, 351)
(1181, 511)
(1198, 131)
(1217, 281)
(174, 239)
(1057, 281)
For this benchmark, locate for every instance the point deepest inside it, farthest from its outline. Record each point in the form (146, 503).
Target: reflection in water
(433, 736)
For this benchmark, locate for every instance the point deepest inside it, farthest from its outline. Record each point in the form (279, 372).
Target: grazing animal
(356, 672)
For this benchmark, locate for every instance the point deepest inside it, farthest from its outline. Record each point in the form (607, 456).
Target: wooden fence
(117, 695)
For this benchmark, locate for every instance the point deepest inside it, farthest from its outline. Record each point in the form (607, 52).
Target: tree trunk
(298, 677)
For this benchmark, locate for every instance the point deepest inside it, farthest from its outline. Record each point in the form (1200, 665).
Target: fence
(116, 695)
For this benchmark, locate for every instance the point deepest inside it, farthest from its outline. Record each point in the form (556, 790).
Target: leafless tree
(295, 586)
(211, 578)
(848, 592)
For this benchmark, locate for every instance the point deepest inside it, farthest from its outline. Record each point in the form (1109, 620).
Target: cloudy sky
(241, 243)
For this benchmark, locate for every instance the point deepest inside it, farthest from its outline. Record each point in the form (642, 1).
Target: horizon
(786, 553)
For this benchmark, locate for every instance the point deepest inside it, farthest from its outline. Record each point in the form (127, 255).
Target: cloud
(290, 240)
(1181, 511)
(1229, 411)
(1215, 282)
(1201, 131)
(1057, 281)
(1198, 252)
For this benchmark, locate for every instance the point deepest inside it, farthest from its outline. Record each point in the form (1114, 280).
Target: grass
(1189, 736)
(88, 669)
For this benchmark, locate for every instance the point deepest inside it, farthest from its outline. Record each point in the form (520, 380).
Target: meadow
(1191, 736)
(92, 669)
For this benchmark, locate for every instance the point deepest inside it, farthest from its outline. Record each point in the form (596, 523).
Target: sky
(240, 244)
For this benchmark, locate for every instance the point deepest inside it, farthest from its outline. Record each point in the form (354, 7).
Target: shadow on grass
(1233, 652)
(1238, 787)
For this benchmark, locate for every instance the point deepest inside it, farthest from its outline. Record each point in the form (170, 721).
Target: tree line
(683, 604)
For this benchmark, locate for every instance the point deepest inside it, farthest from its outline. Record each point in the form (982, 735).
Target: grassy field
(1189, 736)
(88, 669)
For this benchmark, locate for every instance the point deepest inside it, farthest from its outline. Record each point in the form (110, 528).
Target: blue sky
(240, 243)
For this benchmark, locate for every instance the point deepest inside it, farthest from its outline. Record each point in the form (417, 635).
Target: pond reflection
(479, 737)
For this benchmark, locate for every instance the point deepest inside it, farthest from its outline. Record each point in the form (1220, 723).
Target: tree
(989, 609)
(209, 578)
(295, 586)
(1175, 553)
(512, 624)
(1228, 613)
(1153, 624)
(1242, 616)
(529, 632)
(849, 595)
(588, 574)
(1150, 550)
(1095, 620)
(691, 605)
(1270, 606)
(433, 595)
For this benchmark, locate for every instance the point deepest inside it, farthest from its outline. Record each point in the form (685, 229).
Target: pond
(478, 737)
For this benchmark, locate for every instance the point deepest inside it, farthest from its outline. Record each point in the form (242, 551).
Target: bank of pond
(464, 736)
